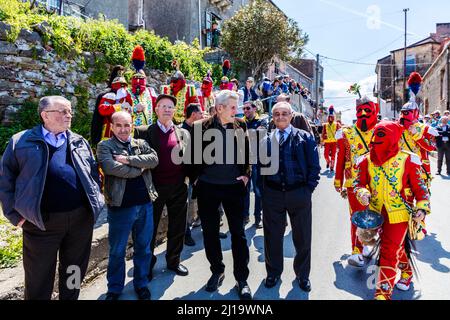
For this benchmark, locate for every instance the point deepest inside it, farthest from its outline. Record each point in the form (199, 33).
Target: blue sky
(363, 31)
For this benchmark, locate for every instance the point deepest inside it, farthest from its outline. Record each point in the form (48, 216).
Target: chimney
(443, 30)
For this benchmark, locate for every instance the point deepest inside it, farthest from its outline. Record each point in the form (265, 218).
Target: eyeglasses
(248, 108)
(64, 112)
(283, 114)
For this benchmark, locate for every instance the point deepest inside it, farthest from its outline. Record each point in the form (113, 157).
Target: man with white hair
(223, 180)
(49, 186)
(289, 190)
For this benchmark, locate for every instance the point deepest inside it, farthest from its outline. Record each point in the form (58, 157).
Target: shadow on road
(327, 173)
(431, 252)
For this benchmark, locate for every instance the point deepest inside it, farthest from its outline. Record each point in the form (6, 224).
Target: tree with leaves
(260, 32)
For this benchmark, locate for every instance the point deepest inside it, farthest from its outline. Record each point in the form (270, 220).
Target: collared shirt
(163, 128)
(54, 140)
(287, 132)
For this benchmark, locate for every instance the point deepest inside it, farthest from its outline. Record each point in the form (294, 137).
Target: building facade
(435, 92)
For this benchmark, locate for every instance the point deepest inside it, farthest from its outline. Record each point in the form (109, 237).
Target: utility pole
(317, 84)
(405, 95)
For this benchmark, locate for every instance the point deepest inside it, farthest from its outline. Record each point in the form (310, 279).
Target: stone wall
(28, 69)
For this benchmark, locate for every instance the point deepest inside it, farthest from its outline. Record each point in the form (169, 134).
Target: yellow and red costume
(382, 175)
(117, 100)
(353, 143)
(329, 130)
(184, 93)
(417, 138)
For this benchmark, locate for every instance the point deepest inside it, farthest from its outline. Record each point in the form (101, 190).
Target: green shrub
(10, 244)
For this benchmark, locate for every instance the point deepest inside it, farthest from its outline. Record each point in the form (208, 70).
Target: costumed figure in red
(353, 143)
(185, 93)
(418, 138)
(330, 128)
(117, 99)
(143, 98)
(225, 83)
(389, 183)
(207, 98)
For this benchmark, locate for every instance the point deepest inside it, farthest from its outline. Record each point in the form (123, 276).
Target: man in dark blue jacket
(443, 145)
(289, 190)
(49, 186)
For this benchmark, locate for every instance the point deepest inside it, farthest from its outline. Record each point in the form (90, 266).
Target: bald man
(289, 190)
(129, 194)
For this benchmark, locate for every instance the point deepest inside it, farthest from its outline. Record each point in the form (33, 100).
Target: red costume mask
(330, 119)
(177, 85)
(138, 85)
(207, 88)
(409, 117)
(117, 86)
(366, 115)
(384, 144)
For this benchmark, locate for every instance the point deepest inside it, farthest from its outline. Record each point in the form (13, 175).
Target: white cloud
(336, 94)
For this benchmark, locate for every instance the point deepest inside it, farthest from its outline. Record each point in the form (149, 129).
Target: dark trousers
(255, 183)
(68, 234)
(175, 198)
(210, 196)
(444, 150)
(297, 203)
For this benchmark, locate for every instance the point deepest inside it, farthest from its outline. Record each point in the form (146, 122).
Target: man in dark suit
(289, 190)
(443, 145)
(169, 179)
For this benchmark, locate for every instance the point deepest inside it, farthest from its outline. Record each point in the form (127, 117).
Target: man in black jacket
(289, 189)
(443, 145)
(219, 179)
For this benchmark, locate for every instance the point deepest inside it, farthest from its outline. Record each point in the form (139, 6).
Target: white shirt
(287, 132)
(52, 139)
(163, 128)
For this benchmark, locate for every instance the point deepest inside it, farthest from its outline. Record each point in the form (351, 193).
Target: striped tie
(281, 137)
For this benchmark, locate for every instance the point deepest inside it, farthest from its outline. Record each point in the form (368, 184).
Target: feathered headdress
(138, 58)
(208, 77)
(178, 75)
(331, 111)
(415, 82)
(226, 66)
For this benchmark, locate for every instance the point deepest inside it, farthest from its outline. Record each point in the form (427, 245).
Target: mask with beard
(138, 85)
(384, 144)
(207, 88)
(409, 117)
(366, 115)
(177, 85)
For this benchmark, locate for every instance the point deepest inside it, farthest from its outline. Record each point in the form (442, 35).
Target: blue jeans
(255, 183)
(139, 221)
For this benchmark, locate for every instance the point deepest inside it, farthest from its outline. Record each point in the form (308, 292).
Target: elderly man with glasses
(49, 186)
(289, 190)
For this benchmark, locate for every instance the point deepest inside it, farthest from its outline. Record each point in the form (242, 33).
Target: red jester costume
(353, 143)
(389, 181)
(329, 131)
(207, 99)
(418, 138)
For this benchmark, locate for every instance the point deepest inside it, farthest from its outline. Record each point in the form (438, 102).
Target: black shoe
(222, 235)
(112, 296)
(271, 281)
(189, 241)
(179, 270)
(214, 282)
(305, 285)
(244, 291)
(438, 173)
(258, 224)
(143, 293)
(328, 166)
(246, 220)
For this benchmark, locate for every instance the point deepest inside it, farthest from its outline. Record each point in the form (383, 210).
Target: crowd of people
(151, 152)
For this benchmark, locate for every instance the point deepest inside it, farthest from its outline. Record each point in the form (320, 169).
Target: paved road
(331, 276)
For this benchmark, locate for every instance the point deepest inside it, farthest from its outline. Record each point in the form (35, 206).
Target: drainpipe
(141, 15)
(200, 22)
(448, 77)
